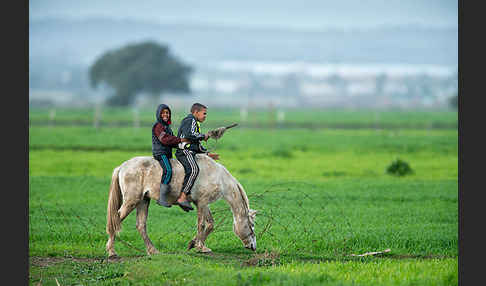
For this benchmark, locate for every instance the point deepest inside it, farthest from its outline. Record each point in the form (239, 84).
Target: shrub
(282, 153)
(399, 168)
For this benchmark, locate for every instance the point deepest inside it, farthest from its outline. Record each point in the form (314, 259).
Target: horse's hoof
(205, 249)
(113, 256)
(153, 252)
(191, 244)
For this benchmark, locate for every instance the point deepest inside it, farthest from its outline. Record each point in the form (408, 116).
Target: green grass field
(321, 194)
(317, 118)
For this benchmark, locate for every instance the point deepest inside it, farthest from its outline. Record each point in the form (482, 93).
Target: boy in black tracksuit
(163, 140)
(186, 152)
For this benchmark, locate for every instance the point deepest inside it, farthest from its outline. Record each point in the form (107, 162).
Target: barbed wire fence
(298, 228)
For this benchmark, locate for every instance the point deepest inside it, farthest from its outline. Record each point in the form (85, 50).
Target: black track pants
(188, 160)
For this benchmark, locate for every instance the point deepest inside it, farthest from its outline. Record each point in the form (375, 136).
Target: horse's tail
(113, 225)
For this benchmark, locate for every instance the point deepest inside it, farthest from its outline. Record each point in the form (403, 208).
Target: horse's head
(244, 228)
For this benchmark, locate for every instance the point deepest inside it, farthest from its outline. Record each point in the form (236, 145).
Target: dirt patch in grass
(260, 259)
(50, 261)
(263, 259)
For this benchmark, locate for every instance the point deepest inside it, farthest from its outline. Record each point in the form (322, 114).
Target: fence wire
(301, 226)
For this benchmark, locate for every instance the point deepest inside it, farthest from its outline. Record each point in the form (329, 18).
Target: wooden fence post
(52, 116)
(97, 115)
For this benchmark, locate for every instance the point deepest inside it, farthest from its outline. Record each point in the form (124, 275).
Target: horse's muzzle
(251, 246)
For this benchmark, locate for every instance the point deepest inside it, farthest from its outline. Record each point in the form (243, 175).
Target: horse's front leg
(205, 224)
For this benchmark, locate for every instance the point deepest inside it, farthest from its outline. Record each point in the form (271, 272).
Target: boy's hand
(214, 156)
(206, 137)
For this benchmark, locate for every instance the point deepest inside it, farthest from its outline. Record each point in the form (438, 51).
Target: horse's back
(144, 173)
(138, 161)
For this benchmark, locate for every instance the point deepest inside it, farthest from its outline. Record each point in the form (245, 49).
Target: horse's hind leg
(124, 211)
(142, 214)
(109, 246)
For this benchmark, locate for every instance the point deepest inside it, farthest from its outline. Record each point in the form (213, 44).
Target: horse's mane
(243, 195)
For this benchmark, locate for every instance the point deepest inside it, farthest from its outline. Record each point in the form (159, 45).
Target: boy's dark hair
(197, 107)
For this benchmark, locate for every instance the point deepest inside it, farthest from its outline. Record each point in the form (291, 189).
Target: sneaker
(185, 205)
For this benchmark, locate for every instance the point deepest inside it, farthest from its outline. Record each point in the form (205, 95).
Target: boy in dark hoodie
(163, 140)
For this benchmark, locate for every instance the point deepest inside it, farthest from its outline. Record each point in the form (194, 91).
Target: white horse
(137, 180)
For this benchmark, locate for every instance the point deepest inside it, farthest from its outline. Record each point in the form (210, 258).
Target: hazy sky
(270, 13)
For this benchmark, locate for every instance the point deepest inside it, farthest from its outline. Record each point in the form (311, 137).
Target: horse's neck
(238, 202)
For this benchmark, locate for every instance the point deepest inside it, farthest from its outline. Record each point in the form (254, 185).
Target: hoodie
(163, 139)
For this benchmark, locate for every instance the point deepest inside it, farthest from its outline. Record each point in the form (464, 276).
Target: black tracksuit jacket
(190, 129)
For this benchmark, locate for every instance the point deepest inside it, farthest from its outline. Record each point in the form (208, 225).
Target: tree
(145, 67)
